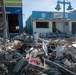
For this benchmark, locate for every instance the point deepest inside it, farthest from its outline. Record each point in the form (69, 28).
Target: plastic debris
(24, 55)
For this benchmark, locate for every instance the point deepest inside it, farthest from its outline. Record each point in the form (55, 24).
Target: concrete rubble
(29, 55)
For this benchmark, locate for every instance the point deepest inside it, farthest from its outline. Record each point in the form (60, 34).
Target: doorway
(13, 23)
(74, 27)
(54, 27)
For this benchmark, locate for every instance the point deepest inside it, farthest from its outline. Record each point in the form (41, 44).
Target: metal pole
(63, 18)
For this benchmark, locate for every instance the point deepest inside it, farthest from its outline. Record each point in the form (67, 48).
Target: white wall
(67, 28)
(70, 25)
(42, 30)
(59, 26)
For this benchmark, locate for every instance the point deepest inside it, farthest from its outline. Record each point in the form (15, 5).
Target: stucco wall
(42, 30)
(59, 26)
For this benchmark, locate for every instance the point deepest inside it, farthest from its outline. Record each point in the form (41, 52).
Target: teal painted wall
(29, 27)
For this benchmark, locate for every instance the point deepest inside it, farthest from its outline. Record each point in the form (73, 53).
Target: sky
(42, 5)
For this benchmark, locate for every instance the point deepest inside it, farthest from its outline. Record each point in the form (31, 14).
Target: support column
(70, 26)
(34, 26)
(50, 26)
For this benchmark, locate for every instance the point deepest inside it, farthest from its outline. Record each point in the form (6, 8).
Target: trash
(45, 48)
(19, 65)
(74, 45)
(44, 74)
(16, 44)
(25, 55)
(60, 50)
(32, 61)
(35, 61)
(34, 53)
(36, 36)
(66, 62)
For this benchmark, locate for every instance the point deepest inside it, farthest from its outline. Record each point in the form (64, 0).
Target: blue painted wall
(38, 15)
(72, 16)
(29, 25)
(49, 15)
(15, 11)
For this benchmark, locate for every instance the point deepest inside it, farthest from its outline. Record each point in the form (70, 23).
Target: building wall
(67, 28)
(14, 7)
(29, 29)
(13, 3)
(59, 26)
(70, 25)
(42, 30)
(47, 16)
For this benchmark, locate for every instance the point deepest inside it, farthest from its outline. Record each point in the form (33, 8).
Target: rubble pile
(26, 55)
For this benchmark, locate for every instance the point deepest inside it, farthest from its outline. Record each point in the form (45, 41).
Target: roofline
(53, 12)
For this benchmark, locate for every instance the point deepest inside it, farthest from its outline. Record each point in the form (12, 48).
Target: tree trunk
(5, 27)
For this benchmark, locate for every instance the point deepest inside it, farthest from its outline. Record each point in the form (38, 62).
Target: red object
(51, 13)
(33, 61)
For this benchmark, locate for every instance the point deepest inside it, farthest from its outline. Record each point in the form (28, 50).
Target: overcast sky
(42, 5)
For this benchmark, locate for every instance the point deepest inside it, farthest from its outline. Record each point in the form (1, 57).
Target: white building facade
(45, 22)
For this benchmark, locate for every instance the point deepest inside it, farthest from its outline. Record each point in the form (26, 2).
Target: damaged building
(14, 17)
(44, 22)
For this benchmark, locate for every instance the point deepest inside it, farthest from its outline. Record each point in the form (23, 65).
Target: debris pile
(26, 55)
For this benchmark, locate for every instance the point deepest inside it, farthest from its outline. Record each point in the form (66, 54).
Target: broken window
(13, 23)
(42, 25)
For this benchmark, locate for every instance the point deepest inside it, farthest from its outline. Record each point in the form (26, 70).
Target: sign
(60, 15)
(13, 3)
(43, 15)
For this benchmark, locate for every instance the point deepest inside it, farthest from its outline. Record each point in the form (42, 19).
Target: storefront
(45, 22)
(13, 16)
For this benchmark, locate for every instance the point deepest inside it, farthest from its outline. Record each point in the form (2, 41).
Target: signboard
(60, 15)
(43, 15)
(13, 3)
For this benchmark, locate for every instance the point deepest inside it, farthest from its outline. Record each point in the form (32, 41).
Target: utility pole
(5, 24)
